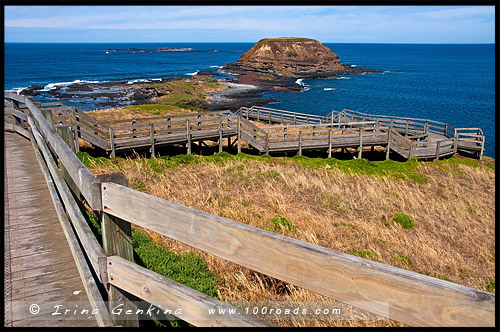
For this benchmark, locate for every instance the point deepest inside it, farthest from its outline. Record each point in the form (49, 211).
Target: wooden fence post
(152, 135)
(455, 141)
(67, 135)
(117, 241)
(47, 114)
(330, 143)
(239, 135)
(112, 142)
(482, 150)
(133, 124)
(300, 143)
(75, 129)
(389, 134)
(220, 135)
(267, 144)
(438, 147)
(188, 133)
(407, 127)
(360, 150)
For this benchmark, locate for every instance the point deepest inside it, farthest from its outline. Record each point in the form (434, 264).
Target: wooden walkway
(39, 267)
(408, 137)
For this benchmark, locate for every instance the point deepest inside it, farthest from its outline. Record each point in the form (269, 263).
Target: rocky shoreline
(272, 64)
(245, 89)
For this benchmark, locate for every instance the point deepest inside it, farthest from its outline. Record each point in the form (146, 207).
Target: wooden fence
(412, 298)
(467, 139)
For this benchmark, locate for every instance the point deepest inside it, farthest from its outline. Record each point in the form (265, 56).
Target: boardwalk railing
(398, 294)
(153, 132)
(269, 115)
(171, 129)
(467, 139)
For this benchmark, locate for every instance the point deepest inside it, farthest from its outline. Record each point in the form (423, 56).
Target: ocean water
(451, 83)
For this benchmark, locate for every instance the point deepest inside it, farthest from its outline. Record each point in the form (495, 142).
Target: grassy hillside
(434, 218)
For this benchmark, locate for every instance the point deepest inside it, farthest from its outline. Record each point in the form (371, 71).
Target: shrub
(490, 285)
(279, 223)
(404, 220)
(188, 269)
(404, 260)
(365, 254)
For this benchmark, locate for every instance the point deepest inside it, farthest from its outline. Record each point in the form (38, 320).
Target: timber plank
(398, 294)
(40, 264)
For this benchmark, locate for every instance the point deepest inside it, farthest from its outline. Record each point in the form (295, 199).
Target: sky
(328, 24)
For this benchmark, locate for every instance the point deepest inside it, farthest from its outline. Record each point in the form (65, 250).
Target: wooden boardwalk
(39, 266)
(40, 272)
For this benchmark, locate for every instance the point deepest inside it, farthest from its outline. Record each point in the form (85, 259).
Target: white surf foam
(52, 86)
(139, 80)
(300, 81)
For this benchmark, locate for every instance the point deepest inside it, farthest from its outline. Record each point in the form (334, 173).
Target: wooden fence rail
(398, 294)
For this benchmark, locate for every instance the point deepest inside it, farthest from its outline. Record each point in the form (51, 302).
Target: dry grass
(453, 213)
(129, 113)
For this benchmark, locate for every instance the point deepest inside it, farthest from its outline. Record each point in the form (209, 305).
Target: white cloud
(333, 22)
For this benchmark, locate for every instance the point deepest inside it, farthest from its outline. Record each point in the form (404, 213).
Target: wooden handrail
(347, 278)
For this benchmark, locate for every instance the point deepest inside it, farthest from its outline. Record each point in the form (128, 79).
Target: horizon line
(207, 42)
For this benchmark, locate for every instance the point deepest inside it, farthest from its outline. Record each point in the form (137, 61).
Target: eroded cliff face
(290, 57)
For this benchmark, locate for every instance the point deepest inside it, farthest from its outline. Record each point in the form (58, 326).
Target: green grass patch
(398, 170)
(153, 107)
(280, 223)
(404, 260)
(450, 165)
(456, 161)
(441, 277)
(490, 285)
(365, 254)
(404, 220)
(93, 162)
(188, 269)
(273, 174)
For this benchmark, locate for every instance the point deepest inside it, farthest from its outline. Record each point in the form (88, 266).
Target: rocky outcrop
(290, 57)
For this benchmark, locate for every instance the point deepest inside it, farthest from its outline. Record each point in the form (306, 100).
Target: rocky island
(283, 59)
(159, 49)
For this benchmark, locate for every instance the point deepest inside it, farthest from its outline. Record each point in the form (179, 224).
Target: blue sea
(451, 83)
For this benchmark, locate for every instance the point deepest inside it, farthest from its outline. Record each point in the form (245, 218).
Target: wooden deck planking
(38, 261)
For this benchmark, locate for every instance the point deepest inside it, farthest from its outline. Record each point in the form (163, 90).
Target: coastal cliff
(276, 63)
(290, 57)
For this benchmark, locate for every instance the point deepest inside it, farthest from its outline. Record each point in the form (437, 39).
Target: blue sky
(328, 24)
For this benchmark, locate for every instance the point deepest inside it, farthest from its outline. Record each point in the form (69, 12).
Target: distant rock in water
(290, 57)
(159, 49)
